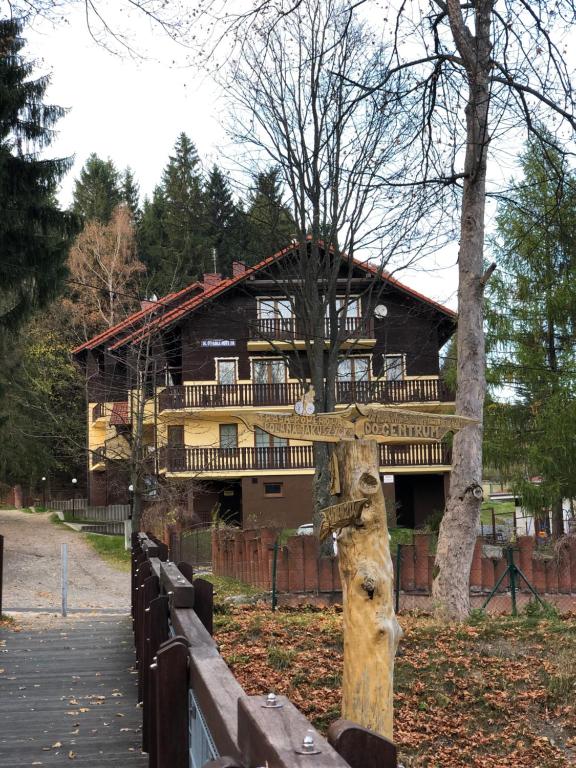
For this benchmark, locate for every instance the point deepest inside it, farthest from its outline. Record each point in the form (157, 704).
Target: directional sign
(339, 516)
(371, 422)
(324, 428)
(395, 425)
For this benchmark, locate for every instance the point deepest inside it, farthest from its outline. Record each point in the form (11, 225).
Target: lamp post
(74, 481)
(44, 492)
(131, 492)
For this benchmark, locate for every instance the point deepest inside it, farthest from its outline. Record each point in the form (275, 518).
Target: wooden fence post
(360, 747)
(371, 631)
(157, 633)
(204, 603)
(281, 736)
(1, 569)
(171, 710)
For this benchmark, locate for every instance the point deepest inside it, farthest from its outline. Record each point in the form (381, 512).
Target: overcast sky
(132, 109)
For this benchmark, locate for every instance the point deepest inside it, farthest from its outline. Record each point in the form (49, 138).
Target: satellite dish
(380, 311)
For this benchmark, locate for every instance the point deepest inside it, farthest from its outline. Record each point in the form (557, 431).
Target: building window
(273, 489)
(228, 436)
(393, 367)
(266, 371)
(176, 435)
(274, 309)
(226, 371)
(265, 440)
(354, 369)
(275, 318)
(353, 306)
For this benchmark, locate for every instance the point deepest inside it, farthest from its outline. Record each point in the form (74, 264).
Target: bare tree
(104, 272)
(481, 71)
(298, 99)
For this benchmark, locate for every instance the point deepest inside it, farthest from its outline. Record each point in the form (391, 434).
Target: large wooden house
(226, 346)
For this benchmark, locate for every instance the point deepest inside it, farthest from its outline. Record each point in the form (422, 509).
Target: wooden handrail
(195, 396)
(209, 459)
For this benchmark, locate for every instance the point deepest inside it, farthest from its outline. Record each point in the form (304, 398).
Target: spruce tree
(131, 194)
(171, 234)
(532, 331)
(270, 224)
(224, 223)
(153, 243)
(98, 190)
(33, 231)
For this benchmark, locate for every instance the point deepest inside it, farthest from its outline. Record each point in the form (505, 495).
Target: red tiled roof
(196, 301)
(119, 414)
(135, 317)
(170, 316)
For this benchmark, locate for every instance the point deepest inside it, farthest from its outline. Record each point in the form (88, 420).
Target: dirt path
(32, 567)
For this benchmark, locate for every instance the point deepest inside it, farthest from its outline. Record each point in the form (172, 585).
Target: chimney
(211, 279)
(238, 268)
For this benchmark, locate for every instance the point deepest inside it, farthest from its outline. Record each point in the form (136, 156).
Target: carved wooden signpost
(371, 631)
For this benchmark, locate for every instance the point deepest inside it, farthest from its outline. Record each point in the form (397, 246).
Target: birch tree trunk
(458, 529)
(371, 632)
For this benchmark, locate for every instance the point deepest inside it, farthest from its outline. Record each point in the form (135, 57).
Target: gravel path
(32, 567)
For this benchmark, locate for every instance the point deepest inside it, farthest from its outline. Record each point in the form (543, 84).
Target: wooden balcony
(289, 329)
(199, 460)
(99, 411)
(98, 459)
(195, 396)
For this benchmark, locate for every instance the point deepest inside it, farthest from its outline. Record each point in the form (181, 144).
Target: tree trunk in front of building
(458, 530)
(557, 519)
(371, 631)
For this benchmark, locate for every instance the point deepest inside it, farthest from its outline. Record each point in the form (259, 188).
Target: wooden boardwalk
(68, 695)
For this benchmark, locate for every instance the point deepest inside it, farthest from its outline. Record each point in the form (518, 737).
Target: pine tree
(532, 331)
(270, 224)
(98, 190)
(131, 194)
(33, 231)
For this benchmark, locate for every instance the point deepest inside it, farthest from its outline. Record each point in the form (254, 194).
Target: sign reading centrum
(372, 422)
(396, 425)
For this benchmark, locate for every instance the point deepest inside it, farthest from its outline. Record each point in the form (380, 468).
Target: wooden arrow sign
(395, 425)
(371, 422)
(323, 428)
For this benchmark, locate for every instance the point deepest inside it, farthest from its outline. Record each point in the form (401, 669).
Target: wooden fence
(195, 713)
(247, 555)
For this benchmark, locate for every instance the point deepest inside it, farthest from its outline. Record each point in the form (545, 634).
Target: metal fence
(68, 505)
(114, 513)
(192, 546)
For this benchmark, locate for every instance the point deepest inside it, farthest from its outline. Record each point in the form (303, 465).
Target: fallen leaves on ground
(498, 693)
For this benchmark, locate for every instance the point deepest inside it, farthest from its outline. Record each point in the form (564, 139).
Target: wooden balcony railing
(289, 329)
(238, 395)
(98, 456)
(175, 459)
(98, 411)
